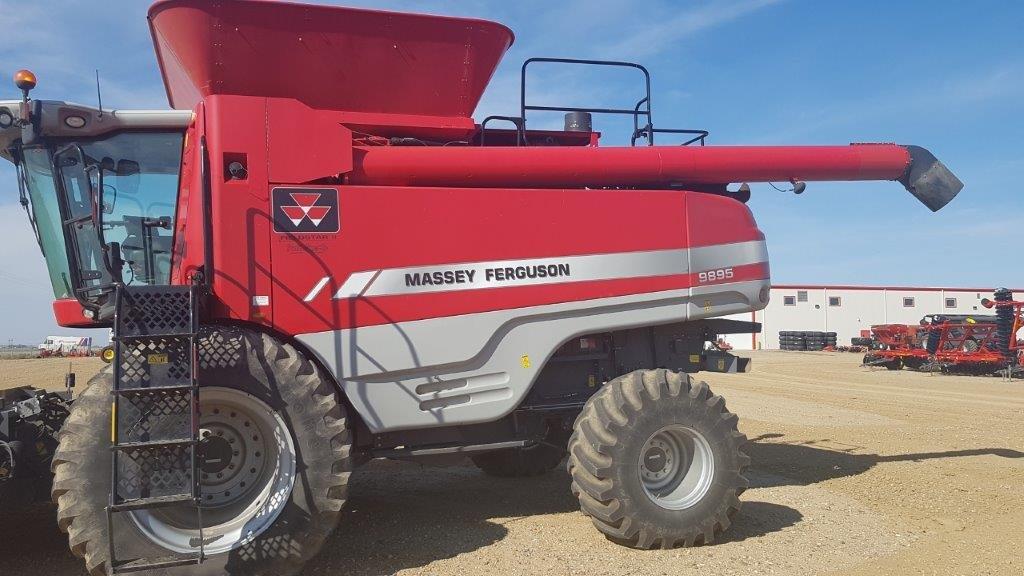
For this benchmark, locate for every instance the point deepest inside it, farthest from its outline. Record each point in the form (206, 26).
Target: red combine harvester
(318, 258)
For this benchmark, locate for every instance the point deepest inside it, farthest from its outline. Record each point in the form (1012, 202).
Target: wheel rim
(246, 476)
(676, 467)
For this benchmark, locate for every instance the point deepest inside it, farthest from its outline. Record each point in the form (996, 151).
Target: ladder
(155, 419)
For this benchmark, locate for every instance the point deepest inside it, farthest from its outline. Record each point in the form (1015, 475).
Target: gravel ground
(855, 471)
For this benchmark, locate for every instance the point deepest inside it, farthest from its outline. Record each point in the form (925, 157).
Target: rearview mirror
(94, 175)
(109, 198)
(128, 176)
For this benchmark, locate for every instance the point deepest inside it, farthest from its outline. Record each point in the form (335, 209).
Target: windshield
(38, 172)
(136, 175)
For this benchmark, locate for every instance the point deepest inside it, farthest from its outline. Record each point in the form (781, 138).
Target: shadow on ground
(31, 544)
(798, 464)
(403, 515)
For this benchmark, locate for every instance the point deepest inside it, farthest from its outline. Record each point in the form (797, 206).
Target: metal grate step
(155, 389)
(171, 443)
(151, 503)
(141, 564)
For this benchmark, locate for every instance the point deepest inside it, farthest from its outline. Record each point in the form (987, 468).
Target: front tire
(656, 461)
(245, 364)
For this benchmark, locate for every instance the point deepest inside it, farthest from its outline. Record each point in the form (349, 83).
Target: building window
(801, 296)
(835, 301)
(950, 302)
(789, 300)
(908, 302)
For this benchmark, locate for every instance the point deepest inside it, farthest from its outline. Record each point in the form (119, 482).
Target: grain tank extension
(318, 257)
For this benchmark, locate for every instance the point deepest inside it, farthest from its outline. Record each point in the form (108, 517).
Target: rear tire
(656, 461)
(276, 375)
(520, 462)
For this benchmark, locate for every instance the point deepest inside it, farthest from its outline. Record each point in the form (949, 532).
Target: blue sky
(948, 76)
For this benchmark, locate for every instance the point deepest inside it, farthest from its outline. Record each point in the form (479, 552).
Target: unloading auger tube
(916, 168)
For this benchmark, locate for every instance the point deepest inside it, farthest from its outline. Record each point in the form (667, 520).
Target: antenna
(99, 96)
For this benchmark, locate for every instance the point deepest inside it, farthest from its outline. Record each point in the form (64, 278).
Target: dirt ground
(855, 471)
(47, 373)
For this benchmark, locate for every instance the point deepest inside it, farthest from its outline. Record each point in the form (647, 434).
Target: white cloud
(666, 29)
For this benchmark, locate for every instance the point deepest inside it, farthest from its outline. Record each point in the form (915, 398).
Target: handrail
(636, 112)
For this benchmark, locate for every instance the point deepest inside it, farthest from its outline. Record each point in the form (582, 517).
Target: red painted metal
(328, 57)
(632, 166)
(394, 227)
(959, 346)
(69, 313)
(313, 96)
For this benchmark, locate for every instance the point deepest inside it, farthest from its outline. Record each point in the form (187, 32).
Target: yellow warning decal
(694, 358)
(525, 361)
(157, 359)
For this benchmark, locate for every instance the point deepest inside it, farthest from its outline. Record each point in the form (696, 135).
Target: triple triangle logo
(305, 210)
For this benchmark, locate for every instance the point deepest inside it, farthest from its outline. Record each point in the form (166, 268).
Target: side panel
(430, 306)
(479, 367)
(428, 229)
(236, 130)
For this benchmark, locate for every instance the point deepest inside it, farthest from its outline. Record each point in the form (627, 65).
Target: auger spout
(658, 166)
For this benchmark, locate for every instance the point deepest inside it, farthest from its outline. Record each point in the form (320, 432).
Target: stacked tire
(789, 340)
(814, 341)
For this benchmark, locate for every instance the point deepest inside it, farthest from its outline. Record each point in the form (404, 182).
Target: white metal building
(847, 310)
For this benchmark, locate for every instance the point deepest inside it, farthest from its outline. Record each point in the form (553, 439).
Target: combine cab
(318, 257)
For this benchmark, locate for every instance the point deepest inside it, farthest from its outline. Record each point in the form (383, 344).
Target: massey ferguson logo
(306, 210)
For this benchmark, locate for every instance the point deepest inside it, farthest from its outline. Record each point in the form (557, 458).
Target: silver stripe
(707, 258)
(316, 289)
(581, 268)
(356, 284)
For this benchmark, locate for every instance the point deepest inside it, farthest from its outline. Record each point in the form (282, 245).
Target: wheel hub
(232, 454)
(215, 454)
(247, 465)
(656, 461)
(676, 467)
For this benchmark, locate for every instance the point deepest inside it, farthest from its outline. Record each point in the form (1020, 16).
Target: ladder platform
(155, 406)
(141, 564)
(153, 502)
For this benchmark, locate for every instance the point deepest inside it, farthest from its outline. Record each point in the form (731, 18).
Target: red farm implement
(1009, 322)
(954, 344)
(900, 345)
